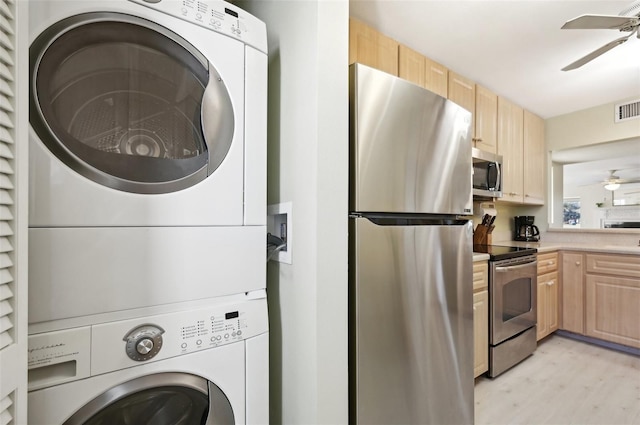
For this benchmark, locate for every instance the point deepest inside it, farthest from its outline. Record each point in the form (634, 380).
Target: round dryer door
(163, 398)
(128, 104)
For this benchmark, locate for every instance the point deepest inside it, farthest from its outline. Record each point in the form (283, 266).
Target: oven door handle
(514, 268)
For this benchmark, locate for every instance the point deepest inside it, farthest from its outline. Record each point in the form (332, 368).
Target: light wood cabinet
(534, 159)
(420, 70)
(612, 298)
(462, 91)
(572, 266)
(486, 120)
(436, 77)
(547, 294)
(411, 65)
(601, 296)
(480, 318)
(369, 47)
(510, 146)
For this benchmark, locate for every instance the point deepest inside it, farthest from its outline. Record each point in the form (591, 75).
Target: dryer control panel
(218, 16)
(127, 343)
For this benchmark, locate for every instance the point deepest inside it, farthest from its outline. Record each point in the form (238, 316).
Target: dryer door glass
(120, 100)
(162, 398)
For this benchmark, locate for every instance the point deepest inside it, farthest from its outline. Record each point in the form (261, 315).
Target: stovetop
(499, 252)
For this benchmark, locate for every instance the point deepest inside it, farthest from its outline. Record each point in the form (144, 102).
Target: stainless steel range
(512, 305)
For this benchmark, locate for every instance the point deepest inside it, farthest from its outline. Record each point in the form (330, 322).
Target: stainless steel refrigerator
(410, 254)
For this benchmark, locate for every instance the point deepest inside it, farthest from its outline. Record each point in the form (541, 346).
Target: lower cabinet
(547, 304)
(612, 301)
(601, 296)
(572, 264)
(480, 318)
(547, 294)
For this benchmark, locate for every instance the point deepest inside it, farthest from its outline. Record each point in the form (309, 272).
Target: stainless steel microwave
(487, 174)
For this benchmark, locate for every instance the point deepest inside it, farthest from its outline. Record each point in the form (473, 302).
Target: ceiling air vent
(627, 111)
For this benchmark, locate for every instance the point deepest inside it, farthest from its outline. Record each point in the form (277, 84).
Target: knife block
(482, 235)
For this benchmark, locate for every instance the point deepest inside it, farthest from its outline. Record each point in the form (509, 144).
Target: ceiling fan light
(612, 186)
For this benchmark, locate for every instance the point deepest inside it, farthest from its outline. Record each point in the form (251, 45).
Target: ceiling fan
(613, 182)
(627, 21)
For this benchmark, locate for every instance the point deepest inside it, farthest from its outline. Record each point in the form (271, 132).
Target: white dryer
(147, 116)
(205, 366)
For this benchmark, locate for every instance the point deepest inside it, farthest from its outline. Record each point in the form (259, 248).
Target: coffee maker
(525, 230)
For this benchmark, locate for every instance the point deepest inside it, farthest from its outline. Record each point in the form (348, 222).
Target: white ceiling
(516, 48)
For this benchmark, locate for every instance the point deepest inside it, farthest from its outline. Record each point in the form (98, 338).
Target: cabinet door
(510, 136)
(486, 120)
(480, 332)
(613, 309)
(547, 304)
(534, 159)
(436, 77)
(572, 292)
(553, 311)
(542, 328)
(411, 65)
(463, 91)
(369, 47)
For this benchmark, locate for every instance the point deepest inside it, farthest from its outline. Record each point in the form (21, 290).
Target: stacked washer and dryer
(147, 221)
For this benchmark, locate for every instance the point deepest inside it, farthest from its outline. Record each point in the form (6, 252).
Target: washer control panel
(216, 15)
(126, 343)
(143, 342)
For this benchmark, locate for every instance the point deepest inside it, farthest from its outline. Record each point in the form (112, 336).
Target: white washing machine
(147, 154)
(204, 366)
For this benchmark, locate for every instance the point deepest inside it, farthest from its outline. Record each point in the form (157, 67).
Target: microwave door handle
(499, 178)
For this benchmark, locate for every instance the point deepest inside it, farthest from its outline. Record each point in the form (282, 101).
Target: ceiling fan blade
(588, 22)
(591, 56)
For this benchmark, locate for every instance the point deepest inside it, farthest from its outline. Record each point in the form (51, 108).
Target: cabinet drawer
(616, 265)
(480, 276)
(547, 262)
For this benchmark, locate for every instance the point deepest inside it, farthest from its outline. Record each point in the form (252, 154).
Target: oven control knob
(143, 342)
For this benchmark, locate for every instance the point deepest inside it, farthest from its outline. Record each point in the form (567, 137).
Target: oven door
(513, 289)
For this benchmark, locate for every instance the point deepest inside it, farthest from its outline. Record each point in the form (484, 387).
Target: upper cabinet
(510, 146)
(534, 159)
(420, 70)
(483, 105)
(436, 77)
(369, 47)
(521, 144)
(411, 65)
(462, 91)
(486, 118)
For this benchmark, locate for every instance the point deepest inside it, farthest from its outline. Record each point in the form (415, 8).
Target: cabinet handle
(551, 283)
(550, 262)
(474, 308)
(577, 263)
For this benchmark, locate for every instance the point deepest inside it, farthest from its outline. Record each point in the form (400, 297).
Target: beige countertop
(543, 247)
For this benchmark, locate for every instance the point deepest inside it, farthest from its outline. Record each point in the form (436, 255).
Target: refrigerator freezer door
(410, 148)
(411, 324)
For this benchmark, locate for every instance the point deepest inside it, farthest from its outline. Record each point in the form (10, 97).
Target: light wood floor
(564, 382)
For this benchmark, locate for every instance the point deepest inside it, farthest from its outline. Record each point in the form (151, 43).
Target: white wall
(588, 127)
(308, 166)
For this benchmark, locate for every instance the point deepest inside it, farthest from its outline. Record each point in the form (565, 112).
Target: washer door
(162, 399)
(128, 104)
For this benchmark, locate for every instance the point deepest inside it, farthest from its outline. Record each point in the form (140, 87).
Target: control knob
(143, 342)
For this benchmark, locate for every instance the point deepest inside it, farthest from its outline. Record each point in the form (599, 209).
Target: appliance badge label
(58, 347)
